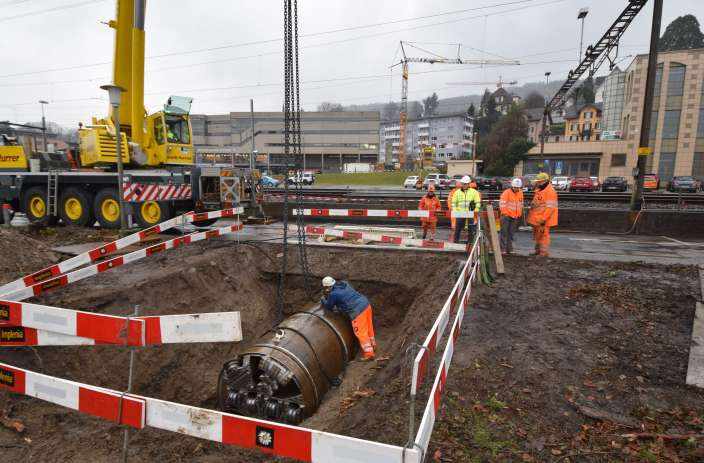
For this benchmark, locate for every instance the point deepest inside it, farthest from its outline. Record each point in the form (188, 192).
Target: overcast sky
(58, 50)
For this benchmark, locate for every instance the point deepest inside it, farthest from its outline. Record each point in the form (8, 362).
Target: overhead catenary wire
(48, 10)
(260, 42)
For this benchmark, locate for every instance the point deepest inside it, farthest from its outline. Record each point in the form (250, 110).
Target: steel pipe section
(284, 375)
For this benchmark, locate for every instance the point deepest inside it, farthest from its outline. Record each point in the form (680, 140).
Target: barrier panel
(394, 240)
(25, 324)
(102, 251)
(388, 213)
(85, 272)
(276, 439)
(432, 340)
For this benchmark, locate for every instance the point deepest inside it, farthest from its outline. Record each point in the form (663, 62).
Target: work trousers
(509, 225)
(461, 223)
(429, 226)
(541, 236)
(363, 328)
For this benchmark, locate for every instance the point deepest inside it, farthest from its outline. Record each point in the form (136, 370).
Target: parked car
(595, 181)
(614, 184)
(441, 181)
(561, 183)
(487, 183)
(410, 181)
(583, 184)
(651, 182)
(269, 182)
(304, 178)
(505, 182)
(684, 183)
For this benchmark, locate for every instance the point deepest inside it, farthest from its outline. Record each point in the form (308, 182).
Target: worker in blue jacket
(341, 295)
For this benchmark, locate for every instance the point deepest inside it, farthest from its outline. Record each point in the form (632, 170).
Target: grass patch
(371, 178)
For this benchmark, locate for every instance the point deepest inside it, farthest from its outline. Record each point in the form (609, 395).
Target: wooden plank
(695, 369)
(498, 258)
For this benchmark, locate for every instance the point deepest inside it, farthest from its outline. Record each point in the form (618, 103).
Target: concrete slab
(695, 369)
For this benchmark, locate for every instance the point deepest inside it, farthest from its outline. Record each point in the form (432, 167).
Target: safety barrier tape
(96, 401)
(275, 439)
(432, 341)
(25, 324)
(102, 251)
(388, 213)
(431, 409)
(377, 237)
(85, 272)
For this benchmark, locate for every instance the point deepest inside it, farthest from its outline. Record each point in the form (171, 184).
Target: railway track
(395, 196)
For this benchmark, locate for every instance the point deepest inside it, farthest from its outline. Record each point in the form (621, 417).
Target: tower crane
(435, 59)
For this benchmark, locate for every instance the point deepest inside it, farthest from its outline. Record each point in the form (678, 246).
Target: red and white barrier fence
(102, 251)
(137, 192)
(85, 272)
(91, 400)
(25, 324)
(388, 213)
(377, 237)
(431, 409)
(432, 341)
(276, 439)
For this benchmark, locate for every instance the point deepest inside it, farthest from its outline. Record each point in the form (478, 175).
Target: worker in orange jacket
(431, 203)
(453, 221)
(543, 213)
(511, 207)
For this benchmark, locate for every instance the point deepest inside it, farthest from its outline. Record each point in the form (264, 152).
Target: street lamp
(43, 103)
(581, 15)
(115, 94)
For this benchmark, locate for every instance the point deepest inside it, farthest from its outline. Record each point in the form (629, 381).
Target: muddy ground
(557, 361)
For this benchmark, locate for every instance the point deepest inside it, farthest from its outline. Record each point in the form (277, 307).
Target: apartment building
(450, 137)
(676, 133)
(329, 139)
(583, 123)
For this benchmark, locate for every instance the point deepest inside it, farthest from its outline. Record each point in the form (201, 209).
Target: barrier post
(130, 375)
(496, 246)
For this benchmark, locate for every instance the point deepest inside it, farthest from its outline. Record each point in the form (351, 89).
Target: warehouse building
(329, 139)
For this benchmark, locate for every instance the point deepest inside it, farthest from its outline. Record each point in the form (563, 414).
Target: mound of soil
(206, 277)
(21, 253)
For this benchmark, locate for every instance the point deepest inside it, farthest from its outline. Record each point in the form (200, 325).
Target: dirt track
(556, 341)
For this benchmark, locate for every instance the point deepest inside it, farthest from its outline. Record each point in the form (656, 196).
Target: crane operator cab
(171, 131)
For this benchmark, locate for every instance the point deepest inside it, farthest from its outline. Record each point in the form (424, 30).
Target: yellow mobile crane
(162, 138)
(161, 177)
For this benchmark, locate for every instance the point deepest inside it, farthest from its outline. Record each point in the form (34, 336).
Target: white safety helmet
(466, 180)
(328, 282)
(516, 183)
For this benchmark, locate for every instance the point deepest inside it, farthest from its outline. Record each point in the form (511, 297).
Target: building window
(700, 126)
(671, 124)
(658, 79)
(618, 160)
(675, 83)
(698, 166)
(666, 168)
(588, 115)
(653, 124)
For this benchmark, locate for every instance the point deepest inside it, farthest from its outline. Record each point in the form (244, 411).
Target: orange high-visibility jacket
(511, 204)
(429, 204)
(543, 208)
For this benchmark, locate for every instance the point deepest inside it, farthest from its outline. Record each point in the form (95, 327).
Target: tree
(328, 107)
(506, 145)
(415, 110)
(682, 34)
(534, 100)
(430, 105)
(584, 93)
(471, 110)
(390, 111)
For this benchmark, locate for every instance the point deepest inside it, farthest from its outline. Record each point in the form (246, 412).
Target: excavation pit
(406, 290)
